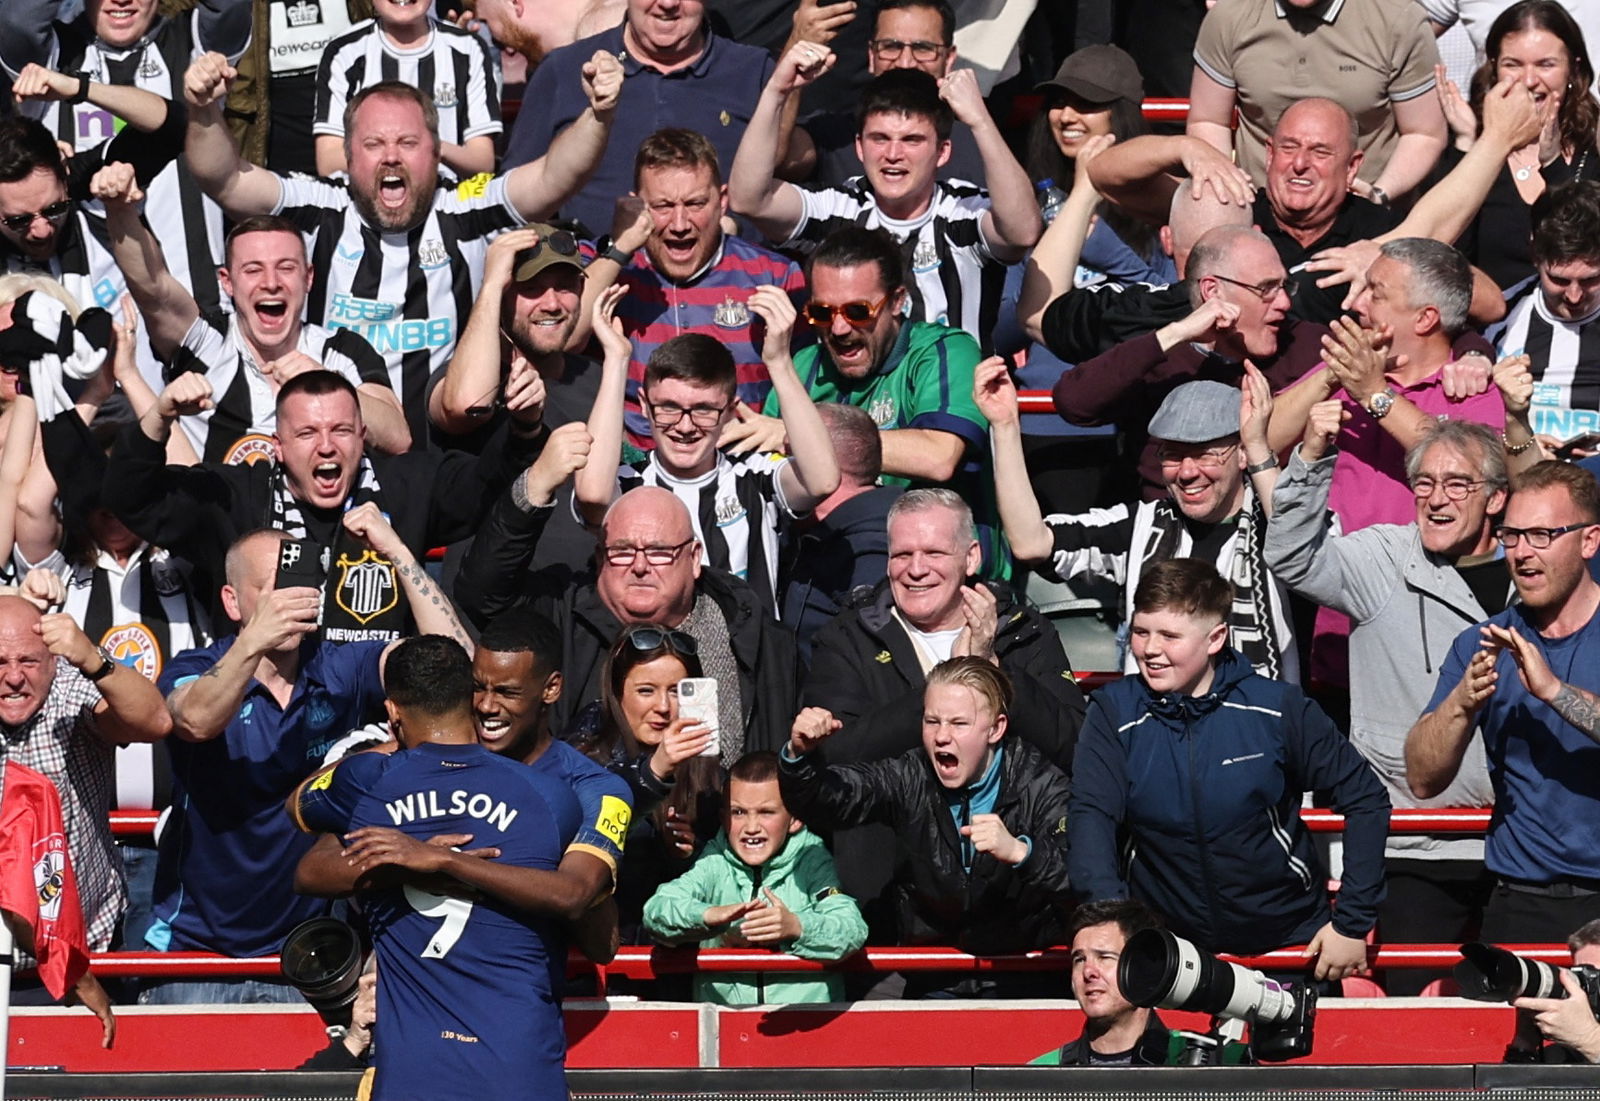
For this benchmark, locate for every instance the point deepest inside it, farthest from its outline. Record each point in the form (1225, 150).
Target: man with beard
(1527, 679)
(403, 257)
(511, 363)
(683, 274)
(913, 377)
(251, 352)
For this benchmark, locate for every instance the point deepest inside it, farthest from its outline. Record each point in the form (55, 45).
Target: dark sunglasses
(20, 222)
(858, 315)
(645, 639)
(558, 241)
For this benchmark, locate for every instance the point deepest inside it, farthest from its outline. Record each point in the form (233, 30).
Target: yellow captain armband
(473, 187)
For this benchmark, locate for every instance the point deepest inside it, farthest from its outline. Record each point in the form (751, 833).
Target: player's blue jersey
(605, 798)
(468, 990)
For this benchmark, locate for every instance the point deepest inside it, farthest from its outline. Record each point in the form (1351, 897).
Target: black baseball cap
(1099, 74)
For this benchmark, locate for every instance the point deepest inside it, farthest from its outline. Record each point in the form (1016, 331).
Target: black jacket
(494, 578)
(995, 908)
(1090, 321)
(827, 561)
(432, 498)
(864, 669)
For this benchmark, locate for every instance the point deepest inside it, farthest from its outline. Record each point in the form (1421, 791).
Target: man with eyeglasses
(908, 34)
(647, 570)
(737, 505)
(1211, 448)
(1239, 294)
(1528, 680)
(1409, 590)
(679, 72)
(956, 237)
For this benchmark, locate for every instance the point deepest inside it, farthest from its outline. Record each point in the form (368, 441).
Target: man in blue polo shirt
(469, 1000)
(253, 715)
(676, 72)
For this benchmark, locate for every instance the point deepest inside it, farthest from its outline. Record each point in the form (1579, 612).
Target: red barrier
(649, 963)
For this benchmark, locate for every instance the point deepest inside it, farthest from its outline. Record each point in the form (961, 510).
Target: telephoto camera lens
(323, 959)
(1162, 971)
(1488, 973)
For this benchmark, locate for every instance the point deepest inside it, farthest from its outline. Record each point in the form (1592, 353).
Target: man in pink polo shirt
(1393, 373)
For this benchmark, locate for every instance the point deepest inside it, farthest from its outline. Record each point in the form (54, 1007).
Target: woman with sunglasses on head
(636, 732)
(1536, 43)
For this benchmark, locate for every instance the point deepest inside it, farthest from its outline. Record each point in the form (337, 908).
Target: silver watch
(1380, 404)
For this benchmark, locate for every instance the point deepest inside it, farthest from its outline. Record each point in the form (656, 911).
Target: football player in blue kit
(469, 978)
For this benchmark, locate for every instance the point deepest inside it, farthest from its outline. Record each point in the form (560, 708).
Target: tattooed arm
(1577, 706)
(432, 610)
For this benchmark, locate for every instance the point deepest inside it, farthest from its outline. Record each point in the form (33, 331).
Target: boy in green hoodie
(765, 882)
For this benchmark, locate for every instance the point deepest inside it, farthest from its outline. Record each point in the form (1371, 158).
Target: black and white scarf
(48, 347)
(1250, 627)
(286, 514)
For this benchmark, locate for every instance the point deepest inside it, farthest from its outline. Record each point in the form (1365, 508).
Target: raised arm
(130, 707)
(596, 484)
(466, 395)
(203, 705)
(239, 187)
(169, 309)
(813, 470)
(773, 205)
(432, 610)
(1140, 174)
(1423, 134)
(536, 189)
(1437, 742)
(631, 226)
(1012, 224)
(138, 108)
(1020, 515)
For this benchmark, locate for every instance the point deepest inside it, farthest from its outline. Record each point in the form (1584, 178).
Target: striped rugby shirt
(954, 277)
(407, 291)
(713, 302)
(452, 66)
(245, 403)
(1565, 361)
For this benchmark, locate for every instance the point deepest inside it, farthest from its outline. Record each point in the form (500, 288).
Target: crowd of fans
(705, 369)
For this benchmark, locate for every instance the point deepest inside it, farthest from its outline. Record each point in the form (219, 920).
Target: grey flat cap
(1197, 412)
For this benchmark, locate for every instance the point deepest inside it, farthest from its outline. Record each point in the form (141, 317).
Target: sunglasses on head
(559, 241)
(651, 638)
(20, 222)
(858, 315)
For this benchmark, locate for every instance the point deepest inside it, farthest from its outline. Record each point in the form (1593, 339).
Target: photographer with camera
(253, 715)
(1564, 1029)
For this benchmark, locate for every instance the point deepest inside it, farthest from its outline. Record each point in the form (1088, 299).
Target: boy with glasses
(689, 394)
(1526, 678)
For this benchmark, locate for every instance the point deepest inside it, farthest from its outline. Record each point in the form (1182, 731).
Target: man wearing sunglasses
(1528, 680)
(1409, 589)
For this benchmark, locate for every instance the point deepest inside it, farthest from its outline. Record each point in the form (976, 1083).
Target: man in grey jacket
(1409, 591)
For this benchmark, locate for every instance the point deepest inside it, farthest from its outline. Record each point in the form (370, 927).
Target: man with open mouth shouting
(249, 354)
(401, 257)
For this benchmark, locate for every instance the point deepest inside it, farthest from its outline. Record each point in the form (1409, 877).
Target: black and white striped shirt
(243, 416)
(408, 293)
(188, 224)
(735, 509)
(453, 66)
(1565, 361)
(955, 278)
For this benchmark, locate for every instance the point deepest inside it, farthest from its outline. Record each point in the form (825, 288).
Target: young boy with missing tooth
(765, 881)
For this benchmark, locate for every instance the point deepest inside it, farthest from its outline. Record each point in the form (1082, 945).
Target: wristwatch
(107, 665)
(1379, 196)
(82, 95)
(607, 250)
(1380, 404)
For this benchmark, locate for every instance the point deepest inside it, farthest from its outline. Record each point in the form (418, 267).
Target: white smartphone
(697, 700)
